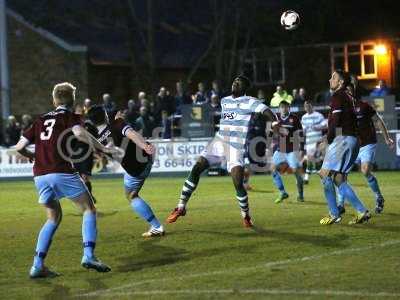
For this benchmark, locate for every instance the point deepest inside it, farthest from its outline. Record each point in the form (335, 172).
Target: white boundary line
(287, 262)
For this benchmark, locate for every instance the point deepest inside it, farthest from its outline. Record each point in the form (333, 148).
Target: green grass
(207, 254)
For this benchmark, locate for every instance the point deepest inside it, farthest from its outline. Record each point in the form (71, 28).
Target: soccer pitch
(207, 253)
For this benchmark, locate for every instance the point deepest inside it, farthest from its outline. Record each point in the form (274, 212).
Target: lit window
(357, 58)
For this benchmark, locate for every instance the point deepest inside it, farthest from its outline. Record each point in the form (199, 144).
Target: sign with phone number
(172, 156)
(177, 156)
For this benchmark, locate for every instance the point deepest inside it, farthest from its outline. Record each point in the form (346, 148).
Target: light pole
(4, 76)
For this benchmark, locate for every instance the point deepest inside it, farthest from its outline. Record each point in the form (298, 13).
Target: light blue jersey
(235, 118)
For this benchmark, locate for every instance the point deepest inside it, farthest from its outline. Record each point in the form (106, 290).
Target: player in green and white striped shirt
(313, 124)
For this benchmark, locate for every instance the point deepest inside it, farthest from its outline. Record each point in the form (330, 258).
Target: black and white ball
(290, 20)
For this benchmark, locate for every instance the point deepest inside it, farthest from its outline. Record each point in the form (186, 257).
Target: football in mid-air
(290, 20)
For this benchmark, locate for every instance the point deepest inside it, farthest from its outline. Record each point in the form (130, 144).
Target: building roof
(46, 34)
(100, 26)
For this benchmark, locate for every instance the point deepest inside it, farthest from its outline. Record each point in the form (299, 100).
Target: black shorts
(86, 166)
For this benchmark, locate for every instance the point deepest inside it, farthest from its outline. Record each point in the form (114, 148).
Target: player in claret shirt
(367, 119)
(288, 150)
(136, 161)
(55, 177)
(342, 151)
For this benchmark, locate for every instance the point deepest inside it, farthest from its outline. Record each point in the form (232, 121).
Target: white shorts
(311, 149)
(221, 153)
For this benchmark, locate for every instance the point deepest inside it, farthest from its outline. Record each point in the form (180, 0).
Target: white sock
(182, 204)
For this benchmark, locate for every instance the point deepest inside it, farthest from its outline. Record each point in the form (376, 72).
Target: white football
(290, 20)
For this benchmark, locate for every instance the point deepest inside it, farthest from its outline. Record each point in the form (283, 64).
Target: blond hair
(64, 94)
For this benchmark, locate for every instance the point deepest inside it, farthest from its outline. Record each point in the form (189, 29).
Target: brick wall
(36, 64)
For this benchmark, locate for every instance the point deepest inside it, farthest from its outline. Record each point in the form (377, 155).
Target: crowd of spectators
(13, 129)
(297, 98)
(165, 109)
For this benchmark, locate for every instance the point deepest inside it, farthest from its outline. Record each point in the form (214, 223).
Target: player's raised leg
(54, 216)
(89, 233)
(246, 178)
(132, 187)
(237, 174)
(188, 188)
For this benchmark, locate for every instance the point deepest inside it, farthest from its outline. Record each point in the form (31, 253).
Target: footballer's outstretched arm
(321, 126)
(268, 113)
(138, 139)
(276, 129)
(20, 147)
(378, 122)
(85, 136)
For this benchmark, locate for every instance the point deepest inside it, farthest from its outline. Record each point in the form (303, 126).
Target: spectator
(13, 131)
(142, 101)
(141, 96)
(79, 110)
(323, 97)
(214, 107)
(109, 105)
(215, 90)
(181, 98)
(87, 104)
(26, 122)
(145, 122)
(145, 103)
(131, 113)
(261, 96)
(300, 98)
(201, 96)
(381, 90)
(295, 93)
(166, 122)
(279, 96)
(164, 102)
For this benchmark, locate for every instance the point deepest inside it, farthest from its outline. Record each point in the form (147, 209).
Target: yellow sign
(196, 113)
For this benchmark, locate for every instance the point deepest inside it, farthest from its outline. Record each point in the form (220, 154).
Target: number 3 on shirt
(49, 124)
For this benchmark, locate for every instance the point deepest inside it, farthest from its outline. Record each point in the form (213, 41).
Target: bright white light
(380, 49)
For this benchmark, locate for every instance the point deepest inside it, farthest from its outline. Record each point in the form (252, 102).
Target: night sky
(322, 20)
